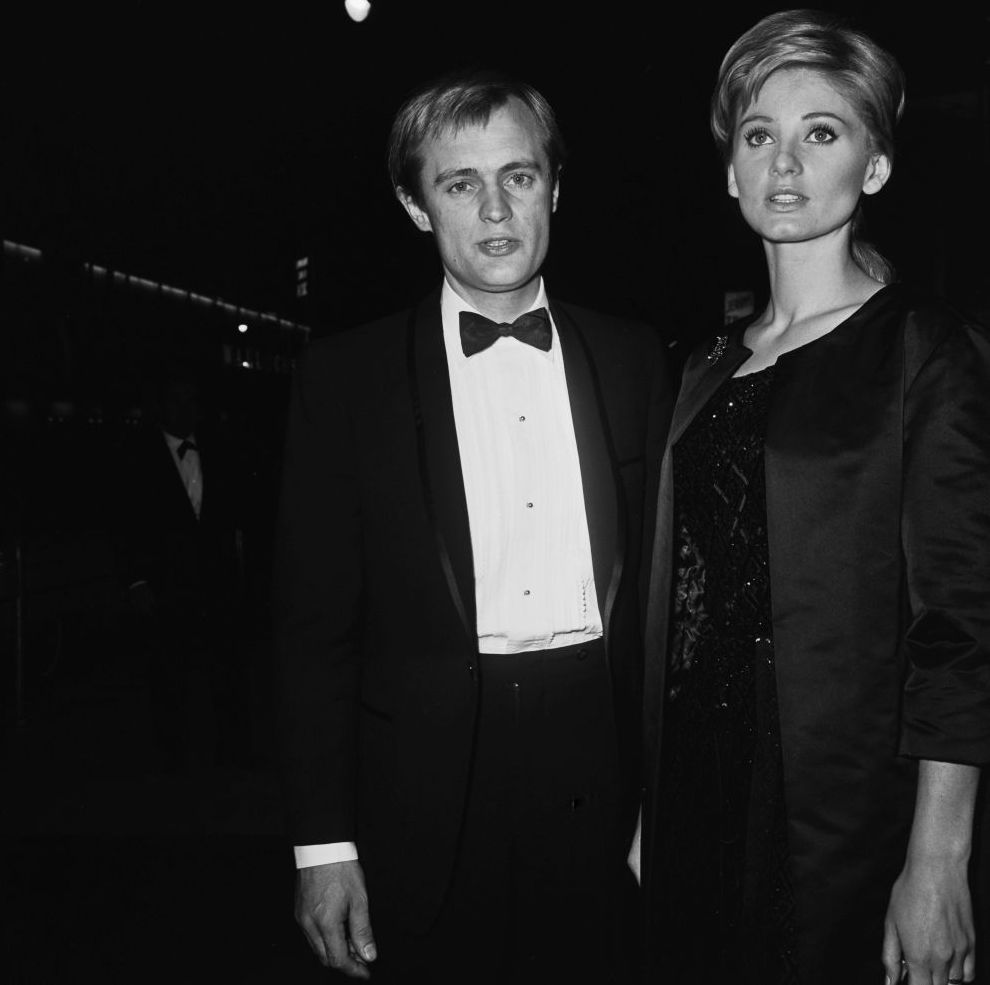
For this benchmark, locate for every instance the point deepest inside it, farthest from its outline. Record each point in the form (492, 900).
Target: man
(458, 613)
(177, 537)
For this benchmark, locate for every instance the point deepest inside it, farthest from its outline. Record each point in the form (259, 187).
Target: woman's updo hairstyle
(866, 76)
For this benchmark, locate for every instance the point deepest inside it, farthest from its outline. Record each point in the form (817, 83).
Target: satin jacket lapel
(603, 502)
(439, 457)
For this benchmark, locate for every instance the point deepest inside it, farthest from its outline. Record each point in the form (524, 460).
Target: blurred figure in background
(179, 548)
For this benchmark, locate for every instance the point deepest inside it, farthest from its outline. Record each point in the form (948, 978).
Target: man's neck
(500, 306)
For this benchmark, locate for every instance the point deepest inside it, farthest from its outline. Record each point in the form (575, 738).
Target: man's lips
(499, 246)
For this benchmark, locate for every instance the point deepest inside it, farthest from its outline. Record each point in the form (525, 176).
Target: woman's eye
(822, 134)
(757, 137)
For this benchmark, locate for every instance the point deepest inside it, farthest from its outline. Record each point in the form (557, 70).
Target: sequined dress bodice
(723, 844)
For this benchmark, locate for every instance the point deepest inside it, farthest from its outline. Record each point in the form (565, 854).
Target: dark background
(209, 153)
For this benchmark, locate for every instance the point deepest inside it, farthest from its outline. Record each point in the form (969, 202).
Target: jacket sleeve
(946, 544)
(317, 604)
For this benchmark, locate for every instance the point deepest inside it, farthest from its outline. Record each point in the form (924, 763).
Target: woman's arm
(929, 930)
(945, 720)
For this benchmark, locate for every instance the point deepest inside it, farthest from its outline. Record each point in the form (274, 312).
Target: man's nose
(495, 206)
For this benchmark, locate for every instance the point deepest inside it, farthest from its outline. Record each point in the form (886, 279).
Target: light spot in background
(357, 10)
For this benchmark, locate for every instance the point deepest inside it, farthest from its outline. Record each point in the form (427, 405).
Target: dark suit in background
(181, 575)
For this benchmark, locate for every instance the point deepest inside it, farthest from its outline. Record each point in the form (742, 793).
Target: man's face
(487, 196)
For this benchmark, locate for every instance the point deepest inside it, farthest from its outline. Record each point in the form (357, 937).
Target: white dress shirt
(533, 572)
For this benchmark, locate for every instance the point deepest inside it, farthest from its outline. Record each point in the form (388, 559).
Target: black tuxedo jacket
(375, 596)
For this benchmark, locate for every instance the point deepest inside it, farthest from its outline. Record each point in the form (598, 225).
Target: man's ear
(877, 172)
(556, 192)
(416, 213)
(733, 187)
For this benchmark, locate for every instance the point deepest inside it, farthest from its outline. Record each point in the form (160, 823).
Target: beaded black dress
(726, 900)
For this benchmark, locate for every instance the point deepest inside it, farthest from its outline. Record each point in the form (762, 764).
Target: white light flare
(357, 10)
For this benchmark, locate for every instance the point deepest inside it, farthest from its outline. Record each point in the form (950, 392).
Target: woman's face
(801, 157)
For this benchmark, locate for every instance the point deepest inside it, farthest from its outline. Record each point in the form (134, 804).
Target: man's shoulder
(614, 338)
(591, 320)
(353, 352)
(387, 330)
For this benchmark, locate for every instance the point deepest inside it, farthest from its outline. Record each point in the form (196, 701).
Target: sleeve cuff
(338, 851)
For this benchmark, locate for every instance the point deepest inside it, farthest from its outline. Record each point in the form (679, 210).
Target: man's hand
(332, 909)
(635, 850)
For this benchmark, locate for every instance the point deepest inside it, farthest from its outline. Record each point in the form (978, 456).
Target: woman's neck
(811, 279)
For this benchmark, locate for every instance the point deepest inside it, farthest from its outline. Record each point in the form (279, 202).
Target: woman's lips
(786, 199)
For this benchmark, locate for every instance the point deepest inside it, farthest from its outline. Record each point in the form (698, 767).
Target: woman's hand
(928, 933)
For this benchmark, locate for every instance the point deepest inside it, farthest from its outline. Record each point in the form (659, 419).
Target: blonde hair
(867, 76)
(457, 100)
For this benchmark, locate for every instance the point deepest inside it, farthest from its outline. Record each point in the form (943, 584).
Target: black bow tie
(184, 447)
(478, 332)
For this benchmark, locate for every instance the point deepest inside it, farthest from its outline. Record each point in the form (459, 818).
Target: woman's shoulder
(932, 327)
(927, 314)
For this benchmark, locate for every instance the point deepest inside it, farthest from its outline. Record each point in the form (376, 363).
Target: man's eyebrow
(454, 173)
(526, 165)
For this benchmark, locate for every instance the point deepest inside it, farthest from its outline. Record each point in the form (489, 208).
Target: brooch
(718, 348)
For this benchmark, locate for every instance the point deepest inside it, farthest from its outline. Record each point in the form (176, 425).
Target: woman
(818, 682)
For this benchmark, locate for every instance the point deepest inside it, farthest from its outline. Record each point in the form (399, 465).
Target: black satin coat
(878, 502)
(375, 596)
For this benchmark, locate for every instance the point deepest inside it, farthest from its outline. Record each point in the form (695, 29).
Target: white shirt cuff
(339, 851)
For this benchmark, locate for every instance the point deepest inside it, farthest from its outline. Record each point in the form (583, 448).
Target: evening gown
(726, 909)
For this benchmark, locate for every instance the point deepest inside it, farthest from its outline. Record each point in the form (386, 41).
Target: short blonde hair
(457, 100)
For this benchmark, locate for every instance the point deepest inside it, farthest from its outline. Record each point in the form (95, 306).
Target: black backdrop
(211, 151)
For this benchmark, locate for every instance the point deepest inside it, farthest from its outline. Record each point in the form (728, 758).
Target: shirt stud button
(525, 591)
(522, 417)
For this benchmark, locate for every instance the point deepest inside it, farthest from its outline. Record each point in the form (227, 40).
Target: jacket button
(581, 654)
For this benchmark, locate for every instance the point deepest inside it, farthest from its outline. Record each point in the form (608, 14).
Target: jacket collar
(704, 373)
